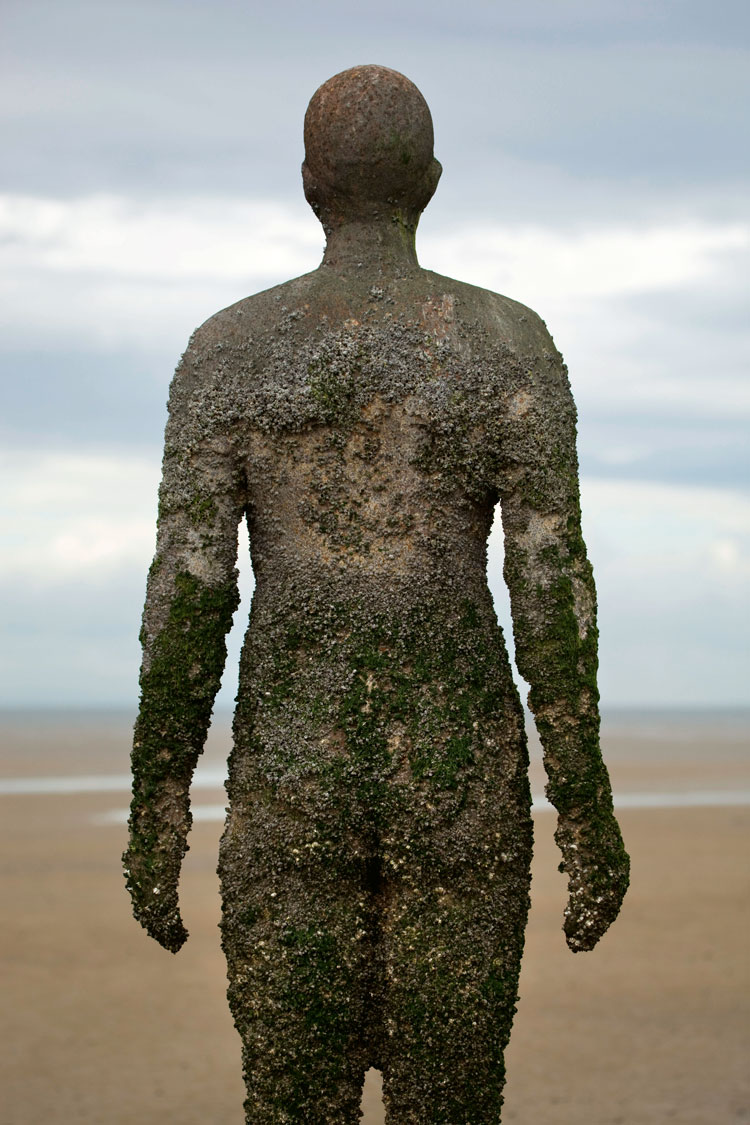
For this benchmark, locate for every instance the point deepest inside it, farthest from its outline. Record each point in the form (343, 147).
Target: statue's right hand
(153, 892)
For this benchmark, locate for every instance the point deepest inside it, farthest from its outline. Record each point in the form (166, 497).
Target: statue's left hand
(598, 870)
(153, 889)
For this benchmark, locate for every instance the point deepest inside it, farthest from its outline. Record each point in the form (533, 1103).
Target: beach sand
(101, 1025)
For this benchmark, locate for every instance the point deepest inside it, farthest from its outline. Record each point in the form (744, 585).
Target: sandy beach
(100, 1025)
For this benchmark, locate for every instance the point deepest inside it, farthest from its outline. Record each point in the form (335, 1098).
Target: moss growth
(436, 673)
(177, 695)
(320, 986)
(333, 391)
(178, 690)
(202, 510)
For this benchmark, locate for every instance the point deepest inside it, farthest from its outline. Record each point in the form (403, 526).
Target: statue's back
(371, 419)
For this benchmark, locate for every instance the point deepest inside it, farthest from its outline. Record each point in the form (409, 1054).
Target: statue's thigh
(295, 937)
(453, 938)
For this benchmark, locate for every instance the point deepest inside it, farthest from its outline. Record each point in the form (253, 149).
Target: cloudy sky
(595, 167)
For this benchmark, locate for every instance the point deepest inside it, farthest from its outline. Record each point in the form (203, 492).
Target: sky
(596, 168)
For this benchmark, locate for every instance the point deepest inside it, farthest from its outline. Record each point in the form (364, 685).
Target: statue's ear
(312, 191)
(436, 171)
(432, 177)
(310, 185)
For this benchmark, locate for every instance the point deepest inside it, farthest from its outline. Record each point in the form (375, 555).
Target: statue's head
(368, 149)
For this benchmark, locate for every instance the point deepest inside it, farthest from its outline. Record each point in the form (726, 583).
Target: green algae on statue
(365, 420)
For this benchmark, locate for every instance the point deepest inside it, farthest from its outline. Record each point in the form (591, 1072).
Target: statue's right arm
(191, 596)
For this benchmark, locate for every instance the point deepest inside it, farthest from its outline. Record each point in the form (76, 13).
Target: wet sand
(101, 1025)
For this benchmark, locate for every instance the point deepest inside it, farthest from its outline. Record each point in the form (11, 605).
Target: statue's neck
(385, 247)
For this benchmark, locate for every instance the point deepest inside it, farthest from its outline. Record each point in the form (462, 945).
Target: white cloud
(727, 557)
(102, 271)
(75, 517)
(537, 265)
(169, 240)
(669, 539)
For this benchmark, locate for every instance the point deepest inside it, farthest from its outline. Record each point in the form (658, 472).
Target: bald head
(368, 148)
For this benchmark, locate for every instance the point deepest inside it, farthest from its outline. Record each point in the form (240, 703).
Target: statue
(366, 419)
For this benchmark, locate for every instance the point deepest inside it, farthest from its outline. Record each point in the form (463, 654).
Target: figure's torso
(372, 425)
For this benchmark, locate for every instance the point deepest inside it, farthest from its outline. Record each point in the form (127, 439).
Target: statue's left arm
(553, 605)
(191, 596)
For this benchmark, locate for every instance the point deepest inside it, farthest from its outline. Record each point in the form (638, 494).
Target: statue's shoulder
(250, 318)
(501, 319)
(237, 340)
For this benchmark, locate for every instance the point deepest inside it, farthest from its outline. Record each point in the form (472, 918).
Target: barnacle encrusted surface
(365, 420)
(375, 863)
